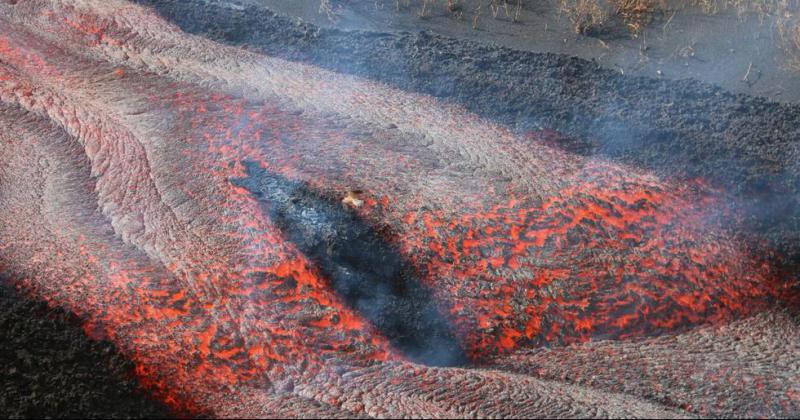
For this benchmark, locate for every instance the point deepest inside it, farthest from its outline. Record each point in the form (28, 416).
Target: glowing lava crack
(183, 197)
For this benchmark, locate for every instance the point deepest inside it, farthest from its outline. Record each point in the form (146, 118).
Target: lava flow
(184, 198)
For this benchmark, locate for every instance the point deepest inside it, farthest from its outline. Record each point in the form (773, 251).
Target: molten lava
(184, 198)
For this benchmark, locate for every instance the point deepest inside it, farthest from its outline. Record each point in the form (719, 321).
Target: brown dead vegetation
(789, 31)
(590, 16)
(784, 15)
(594, 17)
(498, 9)
(585, 15)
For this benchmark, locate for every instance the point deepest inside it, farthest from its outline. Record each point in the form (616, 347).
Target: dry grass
(509, 9)
(589, 16)
(585, 15)
(789, 35)
(784, 15)
(326, 8)
(594, 16)
(638, 13)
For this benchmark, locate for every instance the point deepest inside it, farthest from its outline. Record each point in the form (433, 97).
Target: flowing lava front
(183, 198)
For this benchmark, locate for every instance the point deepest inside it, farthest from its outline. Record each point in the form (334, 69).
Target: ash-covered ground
(678, 129)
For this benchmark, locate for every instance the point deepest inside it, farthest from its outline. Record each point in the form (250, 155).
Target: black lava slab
(746, 145)
(368, 273)
(50, 368)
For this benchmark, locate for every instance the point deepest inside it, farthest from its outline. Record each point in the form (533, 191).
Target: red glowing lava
(120, 138)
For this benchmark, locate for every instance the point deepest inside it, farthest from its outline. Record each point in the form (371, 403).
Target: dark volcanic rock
(369, 274)
(50, 368)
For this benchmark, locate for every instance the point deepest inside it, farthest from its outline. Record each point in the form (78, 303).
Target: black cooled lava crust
(50, 368)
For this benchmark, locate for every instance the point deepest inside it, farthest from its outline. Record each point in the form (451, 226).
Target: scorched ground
(184, 199)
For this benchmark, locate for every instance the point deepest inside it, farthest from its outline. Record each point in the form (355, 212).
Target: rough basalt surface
(747, 145)
(184, 199)
(51, 369)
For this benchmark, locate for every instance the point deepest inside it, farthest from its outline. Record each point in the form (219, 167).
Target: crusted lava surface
(51, 369)
(745, 145)
(184, 199)
(367, 273)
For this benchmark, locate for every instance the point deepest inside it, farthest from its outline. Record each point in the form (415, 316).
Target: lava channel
(183, 198)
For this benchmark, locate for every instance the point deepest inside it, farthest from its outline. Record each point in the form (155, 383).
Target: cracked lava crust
(184, 199)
